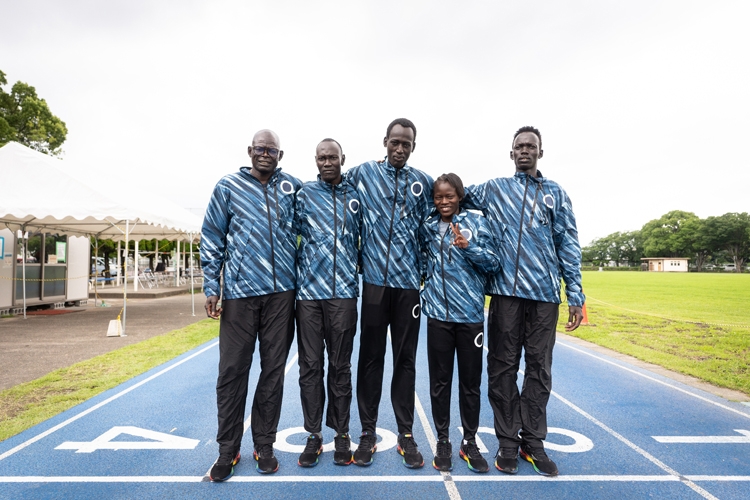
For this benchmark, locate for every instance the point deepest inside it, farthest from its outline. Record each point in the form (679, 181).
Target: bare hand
(212, 309)
(575, 316)
(458, 238)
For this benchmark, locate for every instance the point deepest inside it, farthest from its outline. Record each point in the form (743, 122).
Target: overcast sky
(643, 105)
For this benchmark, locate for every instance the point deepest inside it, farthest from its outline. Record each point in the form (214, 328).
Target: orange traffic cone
(585, 321)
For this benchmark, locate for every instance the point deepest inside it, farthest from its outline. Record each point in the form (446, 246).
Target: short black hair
(531, 129)
(328, 139)
(455, 181)
(406, 123)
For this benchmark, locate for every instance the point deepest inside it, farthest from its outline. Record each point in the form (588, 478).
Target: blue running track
(616, 431)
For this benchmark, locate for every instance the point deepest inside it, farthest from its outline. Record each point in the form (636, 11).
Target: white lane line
(634, 447)
(99, 405)
(697, 396)
(286, 372)
(453, 493)
(504, 478)
(246, 425)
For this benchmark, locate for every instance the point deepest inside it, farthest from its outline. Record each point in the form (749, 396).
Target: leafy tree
(26, 118)
(669, 236)
(597, 252)
(730, 232)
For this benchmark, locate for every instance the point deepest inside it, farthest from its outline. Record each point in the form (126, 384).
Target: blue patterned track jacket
(395, 202)
(249, 232)
(540, 239)
(328, 218)
(455, 277)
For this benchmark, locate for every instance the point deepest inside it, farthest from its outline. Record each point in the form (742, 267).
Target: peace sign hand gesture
(458, 238)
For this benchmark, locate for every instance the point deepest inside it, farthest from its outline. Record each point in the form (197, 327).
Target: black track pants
(399, 308)
(270, 320)
(444, 342)
(326, 326)
(515, 324)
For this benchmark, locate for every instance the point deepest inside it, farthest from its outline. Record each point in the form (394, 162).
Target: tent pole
(96, 274)
(119, 262)
(192, 282)
(125, 286)
(25, 239)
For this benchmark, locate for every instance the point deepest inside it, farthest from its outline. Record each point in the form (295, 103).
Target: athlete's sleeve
(475, 197)
(568, 249)
(214, 239)
(482, 250)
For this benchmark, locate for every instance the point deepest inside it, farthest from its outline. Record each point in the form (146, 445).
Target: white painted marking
(580, 443)
(479, 339)
(99, 405)
(388, 440)
(630, 444)
(480, 443)
(453, 493)
(733, 410)
(257, 478)
(638, 449)
(744, 439)
(159, 441)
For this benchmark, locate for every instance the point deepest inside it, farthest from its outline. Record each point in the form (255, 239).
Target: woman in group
(458, 251)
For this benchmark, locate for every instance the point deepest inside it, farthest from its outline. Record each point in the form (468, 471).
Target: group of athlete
(276, 250)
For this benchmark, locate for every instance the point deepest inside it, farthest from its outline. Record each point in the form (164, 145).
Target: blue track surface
(616, 431)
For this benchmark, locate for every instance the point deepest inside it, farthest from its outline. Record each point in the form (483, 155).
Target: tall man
(328, 220)
(248, 238)
(396, 198)
(540, 246)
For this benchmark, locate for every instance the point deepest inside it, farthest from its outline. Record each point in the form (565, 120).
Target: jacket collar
(392, 170)
(271, 180)
(522, 176)
(434, 219)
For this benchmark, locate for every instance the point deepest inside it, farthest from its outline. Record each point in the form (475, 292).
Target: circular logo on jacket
(466, 233)
(415, 311)
(354, 206)
(287, 187)
(417, 188)
(549, 201)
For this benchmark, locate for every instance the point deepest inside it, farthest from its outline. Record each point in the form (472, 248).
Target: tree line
(713, 240)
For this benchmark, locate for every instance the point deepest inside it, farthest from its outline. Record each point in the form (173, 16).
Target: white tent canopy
(38, 193)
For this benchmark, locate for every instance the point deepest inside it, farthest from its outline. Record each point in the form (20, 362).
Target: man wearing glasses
(248, 238)
(396, 199)
(328, 221)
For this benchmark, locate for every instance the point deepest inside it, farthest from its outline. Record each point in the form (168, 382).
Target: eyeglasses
(331, 158)
(259, 151)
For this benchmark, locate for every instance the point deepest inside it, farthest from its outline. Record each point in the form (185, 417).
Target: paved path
(32, 347)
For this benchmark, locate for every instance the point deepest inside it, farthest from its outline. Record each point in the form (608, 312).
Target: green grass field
(694, 323)
(26, 405)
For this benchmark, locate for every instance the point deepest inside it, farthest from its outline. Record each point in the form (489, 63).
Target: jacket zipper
(335, 237)
(270, 234)
(390, 231)
(520, 231)
(442, 271)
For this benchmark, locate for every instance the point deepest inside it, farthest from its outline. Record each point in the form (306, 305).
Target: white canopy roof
(38, 194)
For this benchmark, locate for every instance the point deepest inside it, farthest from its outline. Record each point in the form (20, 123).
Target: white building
(667, 264)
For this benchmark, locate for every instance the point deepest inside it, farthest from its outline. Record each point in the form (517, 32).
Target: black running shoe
(365, 450)
(266, 461)
(474, 459)
(313, 448)
(443, 460)
(506, 460)
(343, 446)
(223, 468)
(407, 447)
(539, 459)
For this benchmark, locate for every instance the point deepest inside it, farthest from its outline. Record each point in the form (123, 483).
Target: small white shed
(667, 264)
